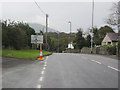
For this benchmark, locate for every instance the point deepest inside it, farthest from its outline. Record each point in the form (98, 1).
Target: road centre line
(46, 62)
(45, 65)
(44, 68)
(41, 78)
(107, 66)
(42, 72)
(113, 68)
(96, 61)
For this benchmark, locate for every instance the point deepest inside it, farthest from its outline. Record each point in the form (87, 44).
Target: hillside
(37, 27)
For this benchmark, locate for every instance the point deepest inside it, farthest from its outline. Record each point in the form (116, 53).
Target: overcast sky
(79, 13)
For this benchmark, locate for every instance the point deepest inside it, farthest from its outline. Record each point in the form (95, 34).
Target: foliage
(111, 49)
(113, 17)
(119, 44)
(80, 41)
(16, 35)
(88, 39)
(58, 42)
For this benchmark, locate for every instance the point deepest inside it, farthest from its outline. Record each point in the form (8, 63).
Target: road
(63, 70)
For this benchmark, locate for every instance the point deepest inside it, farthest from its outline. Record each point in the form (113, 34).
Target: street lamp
(70, 35)
(92, 26)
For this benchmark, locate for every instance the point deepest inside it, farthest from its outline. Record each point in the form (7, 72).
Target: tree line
(16, 35)
(98, 35)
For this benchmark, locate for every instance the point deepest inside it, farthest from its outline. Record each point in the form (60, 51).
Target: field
(26, 54)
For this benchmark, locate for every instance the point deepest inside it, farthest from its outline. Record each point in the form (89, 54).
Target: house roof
(113, 36)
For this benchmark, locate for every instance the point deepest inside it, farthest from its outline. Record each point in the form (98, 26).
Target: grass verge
(25, 54)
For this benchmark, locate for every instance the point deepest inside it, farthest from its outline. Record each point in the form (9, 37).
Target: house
(110, 39)
(70, 45)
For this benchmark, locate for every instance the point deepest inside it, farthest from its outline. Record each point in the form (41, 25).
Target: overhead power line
(39, 7)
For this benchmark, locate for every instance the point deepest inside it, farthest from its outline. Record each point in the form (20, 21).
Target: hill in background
(37, 27)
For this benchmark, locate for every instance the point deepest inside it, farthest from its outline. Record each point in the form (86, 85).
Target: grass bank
(26, 54)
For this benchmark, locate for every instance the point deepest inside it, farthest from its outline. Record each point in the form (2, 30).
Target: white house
(111, 39)
(70, 45)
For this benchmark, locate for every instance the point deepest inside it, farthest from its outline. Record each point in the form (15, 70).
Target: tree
(103, 31)
(16, 35)
(88, 39)
(96, 37)
(113, 17)
(80, 41)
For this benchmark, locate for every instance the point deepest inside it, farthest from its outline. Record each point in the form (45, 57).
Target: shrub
(111, 49)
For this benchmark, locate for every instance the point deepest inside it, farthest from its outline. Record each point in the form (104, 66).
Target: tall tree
(103, 31)
(80, 41)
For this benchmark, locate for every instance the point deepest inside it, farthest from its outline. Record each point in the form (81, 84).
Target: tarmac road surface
(61, 70)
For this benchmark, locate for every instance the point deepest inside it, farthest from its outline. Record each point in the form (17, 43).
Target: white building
(111, 39)
(70, 45)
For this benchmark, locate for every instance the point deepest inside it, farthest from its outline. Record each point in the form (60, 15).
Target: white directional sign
(37, 39)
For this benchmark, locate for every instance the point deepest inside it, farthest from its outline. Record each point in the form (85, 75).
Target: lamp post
(70, 35)
(92, 26)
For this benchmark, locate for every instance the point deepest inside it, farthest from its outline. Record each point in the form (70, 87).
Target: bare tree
(113, 17)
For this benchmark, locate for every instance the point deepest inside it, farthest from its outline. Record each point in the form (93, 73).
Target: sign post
(38, 39)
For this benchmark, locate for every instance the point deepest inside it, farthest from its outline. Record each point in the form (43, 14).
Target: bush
(111, 50)
(119, 44)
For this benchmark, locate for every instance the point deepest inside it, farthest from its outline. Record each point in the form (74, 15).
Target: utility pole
(92, 27)
(40, 43)
(70, 35)
(46, 30)
(118, 24)
(58, 42)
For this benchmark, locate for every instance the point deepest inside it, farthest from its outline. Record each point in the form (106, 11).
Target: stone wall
(96, 50)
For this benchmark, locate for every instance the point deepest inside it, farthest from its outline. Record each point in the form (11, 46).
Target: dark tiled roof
(113, 36)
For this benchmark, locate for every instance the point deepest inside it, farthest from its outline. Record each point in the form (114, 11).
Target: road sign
(37, 39)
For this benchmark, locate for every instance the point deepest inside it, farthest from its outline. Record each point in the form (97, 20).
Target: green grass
(26, 54)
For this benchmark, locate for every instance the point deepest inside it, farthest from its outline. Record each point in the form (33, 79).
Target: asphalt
(63, 70)
(18, 73)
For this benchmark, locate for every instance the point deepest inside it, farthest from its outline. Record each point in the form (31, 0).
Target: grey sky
(79, 13)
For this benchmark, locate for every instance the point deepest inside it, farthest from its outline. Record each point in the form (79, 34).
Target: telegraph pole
(46, 30)
(92, 27)
(118, 24)
(58, 42)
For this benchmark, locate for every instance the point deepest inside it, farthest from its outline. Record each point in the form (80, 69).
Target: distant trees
(16, 35)
(113, 17)
(80, 41)
(99, 35)
(59, 43)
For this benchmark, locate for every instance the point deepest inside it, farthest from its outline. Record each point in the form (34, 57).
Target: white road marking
(39, 86)
(44, 68)
(41, 78)
(113, 68)
(42, 72)
(46, 62)
(96, 61)
(45, 65)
